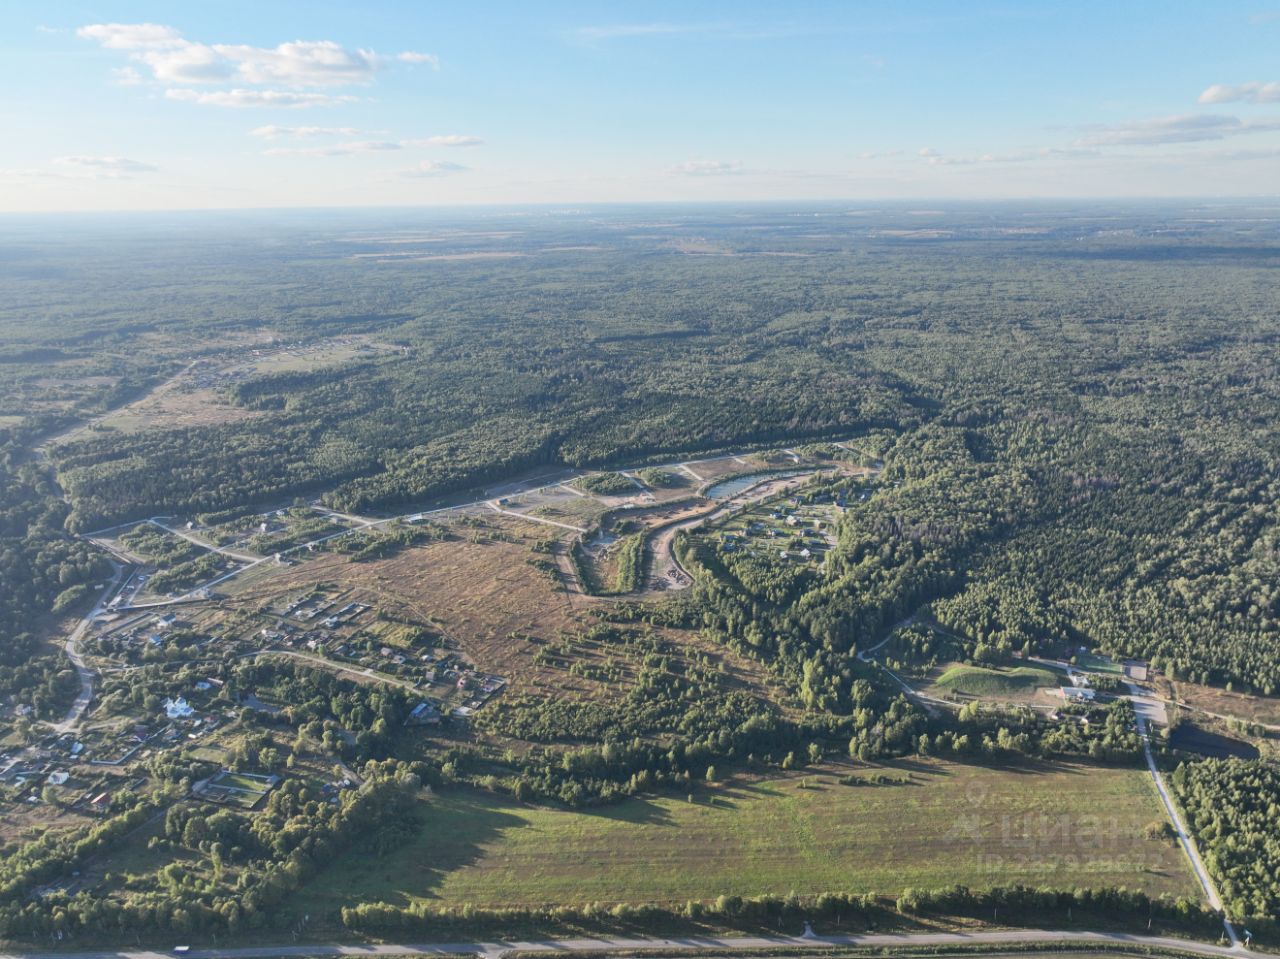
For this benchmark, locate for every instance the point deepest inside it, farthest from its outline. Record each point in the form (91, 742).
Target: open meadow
(1060, 825)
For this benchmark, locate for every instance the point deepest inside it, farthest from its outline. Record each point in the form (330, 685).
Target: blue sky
(181, 105)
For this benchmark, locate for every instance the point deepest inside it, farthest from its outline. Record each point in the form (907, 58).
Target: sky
(123, 105)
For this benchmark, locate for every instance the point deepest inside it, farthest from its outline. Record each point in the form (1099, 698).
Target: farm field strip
(1065, 825)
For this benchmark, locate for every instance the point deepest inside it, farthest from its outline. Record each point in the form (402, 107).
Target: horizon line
(599, 204)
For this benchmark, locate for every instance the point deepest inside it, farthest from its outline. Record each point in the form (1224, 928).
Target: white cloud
(706, 168)
(879, 154)
(187, 63)
(299, 63)
(337, 149)
(434, 168)
(1248, 92)
(1187, 128)
(126, 76)
(17, 175)
(935, 158)
(257, 98)
(108, 167)
(355, 146)
(272, 132)
(132, 36)
(302, 63)
(411, 56)
(449, 140)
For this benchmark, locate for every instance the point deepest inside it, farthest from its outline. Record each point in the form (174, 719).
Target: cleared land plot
(1052, 825)
(804, 533)
(981, 681)
(1219, 702)
(481, 593)
(195, 396)
(245, 790)
(1099, 664)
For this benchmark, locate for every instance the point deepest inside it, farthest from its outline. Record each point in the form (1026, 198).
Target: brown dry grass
(1219, 702)
(482, 593)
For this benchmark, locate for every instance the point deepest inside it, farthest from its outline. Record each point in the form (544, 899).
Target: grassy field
(979, 681)
(1099, 664)
(1059, 825)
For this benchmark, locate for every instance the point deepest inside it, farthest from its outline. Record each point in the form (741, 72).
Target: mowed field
(1055, 825)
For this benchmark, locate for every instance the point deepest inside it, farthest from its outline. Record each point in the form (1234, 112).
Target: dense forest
(1080, 414)
(1233, 806)
(1074, 408)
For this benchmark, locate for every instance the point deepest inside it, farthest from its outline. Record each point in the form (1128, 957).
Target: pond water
(732, 487)
(1192, 738)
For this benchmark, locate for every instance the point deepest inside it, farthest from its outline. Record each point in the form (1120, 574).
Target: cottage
(178, 708)
(423, 714)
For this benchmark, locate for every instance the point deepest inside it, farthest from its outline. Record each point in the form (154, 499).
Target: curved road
(691, 944)
(83, 672)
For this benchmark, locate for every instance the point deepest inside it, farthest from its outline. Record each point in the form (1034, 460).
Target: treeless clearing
(1059, 825)
(482, 593)
(1219, 702)
(988, 688)
(194, 397)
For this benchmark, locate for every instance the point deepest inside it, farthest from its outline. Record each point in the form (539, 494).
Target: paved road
(1184, 838)
(492, 950)
(349, 517)
(493, 505)
(83, 672)
(322, 663)
(204, 544)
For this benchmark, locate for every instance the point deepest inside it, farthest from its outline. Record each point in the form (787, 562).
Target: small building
(423, 714)
(1078, 694)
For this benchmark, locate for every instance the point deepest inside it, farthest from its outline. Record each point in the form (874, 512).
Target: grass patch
(606, 484)
(1098, 664)
(1059, 825)
(980, 681)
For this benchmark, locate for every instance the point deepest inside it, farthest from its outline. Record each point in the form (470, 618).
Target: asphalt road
(1184, 838)
(492, 950)
(72, 648)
